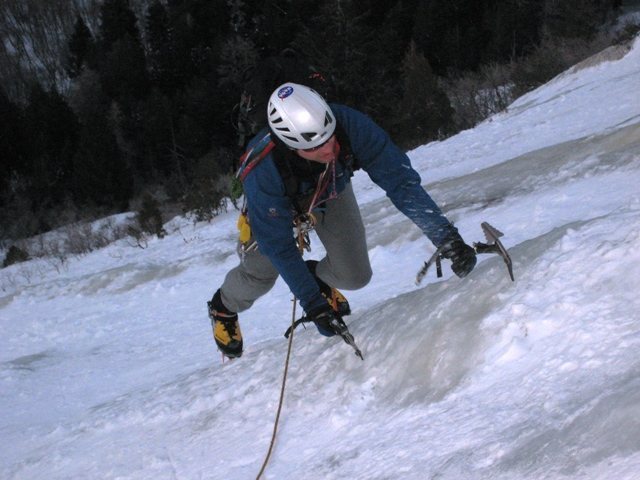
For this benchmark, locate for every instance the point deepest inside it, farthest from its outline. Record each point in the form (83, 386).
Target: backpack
(259, 82)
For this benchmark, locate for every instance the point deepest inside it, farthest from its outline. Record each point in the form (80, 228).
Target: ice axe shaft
(435, 258)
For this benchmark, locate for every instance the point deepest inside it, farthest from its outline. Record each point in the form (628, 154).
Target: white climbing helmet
(299, 116)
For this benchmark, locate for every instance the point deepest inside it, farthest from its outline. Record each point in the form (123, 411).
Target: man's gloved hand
(462, 256)
(326, 320)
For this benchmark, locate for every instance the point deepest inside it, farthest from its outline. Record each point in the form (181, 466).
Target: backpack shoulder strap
(291, 182)
(254, 155)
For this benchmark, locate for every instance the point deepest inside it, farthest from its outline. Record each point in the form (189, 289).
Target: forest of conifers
(104, 101)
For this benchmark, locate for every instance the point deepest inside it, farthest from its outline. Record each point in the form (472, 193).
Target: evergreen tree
(389, 48)
(239, 52)
(100, 173)
(576, 18)
(101, 177)
(199, 119)
(276, 24)
(514, 27)
(53, 137)
(342, 45)
(424, 112)
(162, 54)
(397, 28)
(124, 81)
(117, 21)
(238, 55)
(81, 48)
(378, 12)
(158, 134)
(12, 141)
(178, 41)
(122, 60)
(202, 28)
(450, 34)
(123, 73)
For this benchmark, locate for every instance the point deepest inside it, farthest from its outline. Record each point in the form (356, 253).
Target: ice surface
(108, 369)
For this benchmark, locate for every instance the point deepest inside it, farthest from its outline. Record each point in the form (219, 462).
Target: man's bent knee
(354, 280)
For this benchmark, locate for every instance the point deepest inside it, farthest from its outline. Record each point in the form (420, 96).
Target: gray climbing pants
(345, 266)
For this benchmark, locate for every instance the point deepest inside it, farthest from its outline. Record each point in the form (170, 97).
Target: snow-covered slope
(108, 369)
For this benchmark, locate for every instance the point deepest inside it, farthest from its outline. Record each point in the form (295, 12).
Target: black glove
(326, 320)
(462, 256)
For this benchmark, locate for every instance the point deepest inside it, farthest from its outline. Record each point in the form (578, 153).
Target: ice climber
(299, 169)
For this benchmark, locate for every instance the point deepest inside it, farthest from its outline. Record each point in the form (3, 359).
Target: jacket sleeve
(391, 169)
(271, 220)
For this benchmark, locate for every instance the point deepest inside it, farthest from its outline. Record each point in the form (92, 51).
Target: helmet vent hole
(308, 136)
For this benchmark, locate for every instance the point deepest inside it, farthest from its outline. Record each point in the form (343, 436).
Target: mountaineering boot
(335, 298)
(338, 302)
(226, 329)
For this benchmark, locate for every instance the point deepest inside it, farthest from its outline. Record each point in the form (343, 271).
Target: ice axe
(493, 245)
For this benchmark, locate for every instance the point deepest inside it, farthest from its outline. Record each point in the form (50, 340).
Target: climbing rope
(284, 381)
(301, 232)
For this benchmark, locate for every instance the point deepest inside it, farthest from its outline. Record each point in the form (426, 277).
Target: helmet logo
(284, 92)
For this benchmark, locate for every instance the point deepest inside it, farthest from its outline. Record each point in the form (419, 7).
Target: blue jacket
(271, 213)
